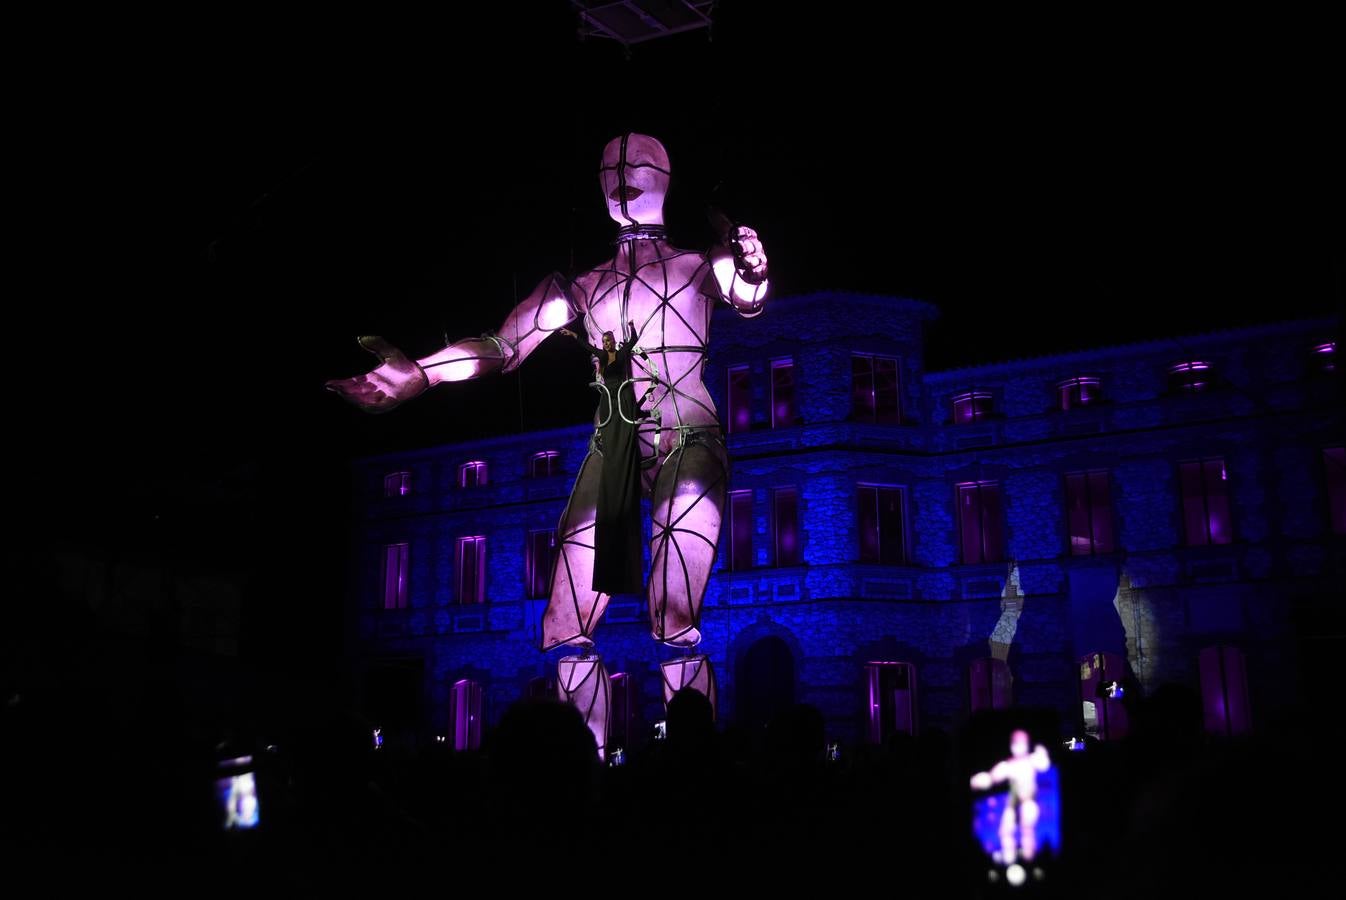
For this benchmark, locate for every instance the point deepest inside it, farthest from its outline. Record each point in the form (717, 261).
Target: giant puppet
(659, 299)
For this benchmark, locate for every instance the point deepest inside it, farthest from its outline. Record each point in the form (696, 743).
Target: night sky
(223, 204)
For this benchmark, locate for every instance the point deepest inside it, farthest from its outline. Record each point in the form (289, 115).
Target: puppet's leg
(688, 499)
(693, 672)
(573, 607)
(582, 682)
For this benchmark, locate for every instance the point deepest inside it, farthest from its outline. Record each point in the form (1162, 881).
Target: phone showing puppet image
(1009, 760)
(237, 796)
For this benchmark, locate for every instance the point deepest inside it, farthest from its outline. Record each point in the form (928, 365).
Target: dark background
(216, 206)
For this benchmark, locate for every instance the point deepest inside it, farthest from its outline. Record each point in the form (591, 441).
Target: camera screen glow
(1016, 804)
(238, 800)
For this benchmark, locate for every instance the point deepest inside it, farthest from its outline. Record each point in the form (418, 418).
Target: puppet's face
(1019, 743)
(634, 177)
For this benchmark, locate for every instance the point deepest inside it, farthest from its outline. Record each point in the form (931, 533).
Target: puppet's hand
(749, 255)
(396, 380)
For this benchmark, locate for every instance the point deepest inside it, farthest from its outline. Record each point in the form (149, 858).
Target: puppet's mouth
(625, 193)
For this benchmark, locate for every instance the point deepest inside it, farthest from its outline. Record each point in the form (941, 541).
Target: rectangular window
(544, 464)
(785, 503)
(471, 569)
(740, 399)
(981, 527)
(874, 392)
(465, 715)
(740, 530)
(396, 558)
(1077, 392)
(1205, 502)
(541, 557)
(879, 510)
(1325, 357)
(397, 484)
(892, 699)
(783, 410)
(1189, 377)
(472, 474)
(1089, 513)
(971, 407)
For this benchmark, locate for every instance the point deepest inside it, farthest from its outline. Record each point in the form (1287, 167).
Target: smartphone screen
(1013, 777)
(236, 791)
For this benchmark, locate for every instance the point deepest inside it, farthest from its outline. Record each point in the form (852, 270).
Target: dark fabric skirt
(617, 539)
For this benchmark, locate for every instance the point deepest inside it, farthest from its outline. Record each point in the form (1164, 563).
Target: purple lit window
(740, 399)
(1089, 513)
(892, 699)
(874, 393)
(395, 571)
(1224, 691)
(1077, 392)
(879, 511)
(541, 557)
(990, 684)
(544, 464)
(472, 474)
(397, 484)
(785, 503)
(1189, 376)
(971, 407)
(1334, 458)
(980, 526)
(783, 411)
(1325, 356)
(622, 712)
(465, 714)
(471, 569)
(740, 530)
(1205, 502)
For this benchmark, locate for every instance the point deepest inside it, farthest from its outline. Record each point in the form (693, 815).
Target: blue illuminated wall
(1268, 412)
